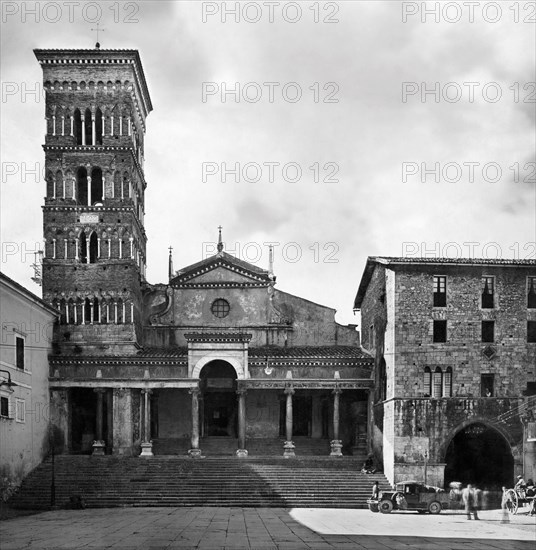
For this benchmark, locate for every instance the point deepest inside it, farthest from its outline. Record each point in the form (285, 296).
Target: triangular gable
(221, 268)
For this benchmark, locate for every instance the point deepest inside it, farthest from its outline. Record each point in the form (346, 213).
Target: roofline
(27, 294)
(386, 261)
(306, 300)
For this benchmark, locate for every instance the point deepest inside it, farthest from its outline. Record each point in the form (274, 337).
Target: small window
(486, 385)
(440, 291)
(440, 331)
(531, 332)
(531, 292)
(220, 308)
(488, 292)
(19, 344)
(20, 410)
(4, 407)
(488, 331)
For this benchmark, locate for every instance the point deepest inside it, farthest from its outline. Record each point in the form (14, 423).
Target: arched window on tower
(50, 185)
(72, 313)
(447, 382)
(59, 184)
(427, 382)
(126, 186)
(87, 126)
(119, 319)
(96, 185)
(87, 311)
(96, 311)
(83, 248)
(437, 383)
(98, 127)
(77, 127)
(63, 312)
(93, 248)
(81, 185)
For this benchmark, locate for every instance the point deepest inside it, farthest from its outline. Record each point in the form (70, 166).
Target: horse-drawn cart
(514, 499)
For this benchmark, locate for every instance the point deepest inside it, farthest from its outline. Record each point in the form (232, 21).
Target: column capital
(337, 391)
(147, 391)
(194, 391)
(99, 390)
(241, 391)
(289, 391)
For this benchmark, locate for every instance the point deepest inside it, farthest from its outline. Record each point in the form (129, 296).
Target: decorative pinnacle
(220, 243)
(170, 264)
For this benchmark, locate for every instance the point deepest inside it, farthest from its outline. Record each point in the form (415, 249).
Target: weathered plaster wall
(174, 413)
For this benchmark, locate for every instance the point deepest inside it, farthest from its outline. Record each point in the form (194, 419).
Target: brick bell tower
(95, 242)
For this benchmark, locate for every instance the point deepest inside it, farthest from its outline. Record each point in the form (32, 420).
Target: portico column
(195, 451)
(336, 443)
(98, 444)
(146, 444)
(288, 451)
(241, 452)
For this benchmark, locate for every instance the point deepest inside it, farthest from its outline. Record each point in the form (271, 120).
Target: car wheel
(434, 507)
(386, 506)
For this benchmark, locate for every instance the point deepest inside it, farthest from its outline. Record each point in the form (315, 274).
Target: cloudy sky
(365, 134)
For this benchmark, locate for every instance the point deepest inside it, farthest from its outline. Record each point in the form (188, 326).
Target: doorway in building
(219, 416)
(84, 420)
(481, 455)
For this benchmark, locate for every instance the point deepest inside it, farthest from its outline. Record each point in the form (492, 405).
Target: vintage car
(411, 495)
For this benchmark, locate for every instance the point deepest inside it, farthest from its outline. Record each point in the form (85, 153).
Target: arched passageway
(479, 454)
(219, 411)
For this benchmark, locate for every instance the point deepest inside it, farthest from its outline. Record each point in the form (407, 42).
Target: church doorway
(481, 455)
(219, 410)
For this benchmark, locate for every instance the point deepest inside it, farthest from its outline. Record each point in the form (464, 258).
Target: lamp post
(9, 382)
(52, 445)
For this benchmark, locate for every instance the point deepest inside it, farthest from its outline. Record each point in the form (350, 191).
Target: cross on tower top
(97, 45)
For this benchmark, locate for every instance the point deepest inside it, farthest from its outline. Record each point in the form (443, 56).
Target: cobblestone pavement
(263, 529)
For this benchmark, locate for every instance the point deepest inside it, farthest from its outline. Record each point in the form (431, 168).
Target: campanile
(96, 106)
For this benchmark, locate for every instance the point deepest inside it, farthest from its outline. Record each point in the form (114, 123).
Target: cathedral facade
(215, 361)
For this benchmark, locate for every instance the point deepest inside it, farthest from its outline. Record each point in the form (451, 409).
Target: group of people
(472, 500)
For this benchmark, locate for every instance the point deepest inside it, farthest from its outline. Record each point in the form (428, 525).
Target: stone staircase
(177, 481)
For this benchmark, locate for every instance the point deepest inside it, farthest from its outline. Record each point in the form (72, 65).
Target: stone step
(109, 481)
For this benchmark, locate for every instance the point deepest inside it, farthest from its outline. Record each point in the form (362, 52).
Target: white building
(27, 325)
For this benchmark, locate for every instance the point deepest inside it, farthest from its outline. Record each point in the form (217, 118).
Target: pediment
(222, 269)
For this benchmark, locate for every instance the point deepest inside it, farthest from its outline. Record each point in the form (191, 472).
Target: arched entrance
(479, 454)
(219, 412)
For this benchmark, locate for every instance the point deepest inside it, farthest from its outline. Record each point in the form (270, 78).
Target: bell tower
(96, 104)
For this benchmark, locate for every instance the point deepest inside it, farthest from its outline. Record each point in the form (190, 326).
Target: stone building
(27, 327)
(454, 343)
(216, 360)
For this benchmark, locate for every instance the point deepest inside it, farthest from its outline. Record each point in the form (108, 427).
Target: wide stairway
(177, 481)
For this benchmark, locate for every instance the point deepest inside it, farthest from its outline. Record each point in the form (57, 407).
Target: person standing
(376, 490)
(469, 500)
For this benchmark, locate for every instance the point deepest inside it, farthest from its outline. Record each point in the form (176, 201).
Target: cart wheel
(510, 501)
(386, 506)
(434, 507)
